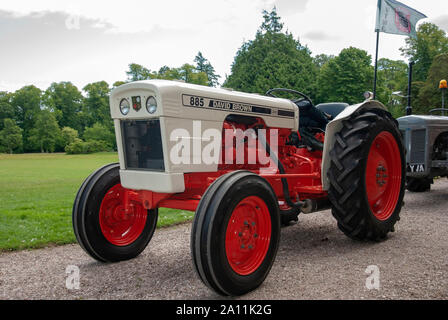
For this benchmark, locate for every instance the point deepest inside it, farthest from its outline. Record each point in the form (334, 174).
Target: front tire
(367, 175)
(108, 227)
(235, 233)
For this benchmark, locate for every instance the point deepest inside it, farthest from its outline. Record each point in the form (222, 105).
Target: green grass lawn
(37, 193)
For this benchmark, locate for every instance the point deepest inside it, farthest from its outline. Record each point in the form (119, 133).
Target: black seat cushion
(333, 108)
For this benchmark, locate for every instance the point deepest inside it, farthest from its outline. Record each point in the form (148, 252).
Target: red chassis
(302, 171)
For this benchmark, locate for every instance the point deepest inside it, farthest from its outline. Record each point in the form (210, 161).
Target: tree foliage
(7, 111)
(69, 135)
(430, 42)
(27, 104)
(392, 78)
(273, 59)
(430, 96)
(203, 65)
(186, 72)
(65, 100)
(96, 105)
(322, 59)
(346, 77)
(99, 132)
(46, 133)
(138, 72)
(10, 136)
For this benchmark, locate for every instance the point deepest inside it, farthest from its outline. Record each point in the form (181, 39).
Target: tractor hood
(180, 100)
(417, 120)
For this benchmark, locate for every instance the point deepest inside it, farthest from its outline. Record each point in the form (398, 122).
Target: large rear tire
(367, 175)
(106, 226)
(235, 233)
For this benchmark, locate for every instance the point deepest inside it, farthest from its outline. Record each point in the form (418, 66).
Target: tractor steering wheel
(304, 97)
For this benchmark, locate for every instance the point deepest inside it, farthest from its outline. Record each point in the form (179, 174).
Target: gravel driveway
(315, 261)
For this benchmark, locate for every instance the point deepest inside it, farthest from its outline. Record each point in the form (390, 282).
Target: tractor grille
(418, 145)
(142, 144)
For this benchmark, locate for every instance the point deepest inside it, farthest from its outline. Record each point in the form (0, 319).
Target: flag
(396, 18)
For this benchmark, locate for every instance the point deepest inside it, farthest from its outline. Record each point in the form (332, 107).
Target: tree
(7, 110)
(322, 59)
(118, 83)
(10, 136)
(392, 77)
(346, 77)
(96, 105)
(430, 96)
(189, 74)
(27, 103)
(430, 42)
(203, 65)
(46, 132)
(100, 132)
(65, 100)
(186, 72)
(271, 21)
(137, 72)
(273, 59)
(68, 135)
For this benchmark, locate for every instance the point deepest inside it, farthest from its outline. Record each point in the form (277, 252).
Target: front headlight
(151, 104)
(124, 106)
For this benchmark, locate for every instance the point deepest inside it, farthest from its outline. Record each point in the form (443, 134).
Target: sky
(84, 41)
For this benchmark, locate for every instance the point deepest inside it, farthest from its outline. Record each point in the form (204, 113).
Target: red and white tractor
(246, 164)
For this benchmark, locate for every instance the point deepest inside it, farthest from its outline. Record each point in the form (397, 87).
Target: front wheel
(235, 233)
(367, 175)
(109, 221)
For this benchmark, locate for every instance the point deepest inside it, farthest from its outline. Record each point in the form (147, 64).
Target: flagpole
(377, 29)
(376, 63)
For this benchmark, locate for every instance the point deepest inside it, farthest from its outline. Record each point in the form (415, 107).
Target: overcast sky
(85, 41)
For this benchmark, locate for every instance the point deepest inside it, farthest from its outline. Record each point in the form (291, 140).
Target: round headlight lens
(151, 104)
(124, 106)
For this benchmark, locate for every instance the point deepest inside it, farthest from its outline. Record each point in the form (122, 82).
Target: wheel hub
(248, 235)
(383, 175)
(122, 220)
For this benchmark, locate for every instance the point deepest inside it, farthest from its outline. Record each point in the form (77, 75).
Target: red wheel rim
(383, 175)
(121, 224)
(248, 235)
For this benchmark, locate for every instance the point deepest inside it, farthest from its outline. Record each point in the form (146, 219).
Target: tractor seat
(332, 108)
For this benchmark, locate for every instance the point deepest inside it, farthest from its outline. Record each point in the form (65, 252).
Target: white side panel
(335, 126)
(119, 143)
(192, 136)
(154, 181)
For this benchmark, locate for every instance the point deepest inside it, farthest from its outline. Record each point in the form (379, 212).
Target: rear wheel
(109, 221)
(418, 184)
(367, 175)
(235, 233)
